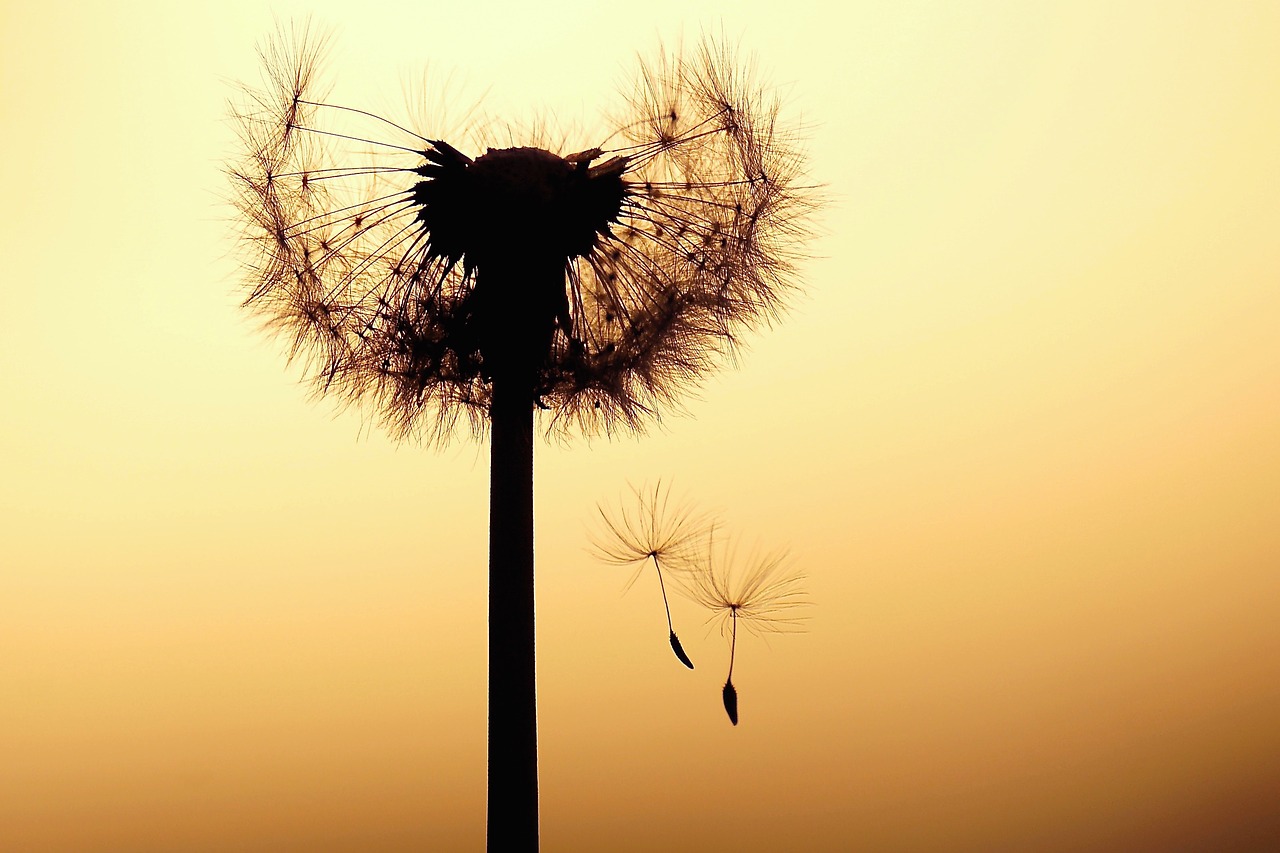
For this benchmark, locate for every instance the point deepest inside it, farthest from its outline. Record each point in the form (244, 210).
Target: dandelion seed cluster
(407, 274)
(762, 591)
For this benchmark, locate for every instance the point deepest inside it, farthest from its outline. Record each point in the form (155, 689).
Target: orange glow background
(1022, 432)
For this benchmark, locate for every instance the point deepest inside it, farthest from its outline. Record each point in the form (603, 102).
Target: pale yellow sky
(1021, 431)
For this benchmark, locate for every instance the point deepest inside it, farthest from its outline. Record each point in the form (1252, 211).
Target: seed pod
(731, 702)
(679, 650)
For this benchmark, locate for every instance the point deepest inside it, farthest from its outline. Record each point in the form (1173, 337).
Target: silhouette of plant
(436, 287)
(761, 591)
(654, 530)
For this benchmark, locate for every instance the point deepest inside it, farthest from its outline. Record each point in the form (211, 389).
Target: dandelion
(762, 592)
(429, 284)
(441, 284)
(654, 530)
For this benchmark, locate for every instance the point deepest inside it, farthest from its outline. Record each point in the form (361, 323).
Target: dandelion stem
(513, 726)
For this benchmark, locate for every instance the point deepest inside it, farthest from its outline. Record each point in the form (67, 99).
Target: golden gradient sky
(1022, 432)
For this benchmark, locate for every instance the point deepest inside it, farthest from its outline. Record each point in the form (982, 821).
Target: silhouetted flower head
(409, 270)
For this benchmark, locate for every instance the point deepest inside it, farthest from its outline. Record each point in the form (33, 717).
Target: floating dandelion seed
(761, 592)
(435, 285)
(654, 529)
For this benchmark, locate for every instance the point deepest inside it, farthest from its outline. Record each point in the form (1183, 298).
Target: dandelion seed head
(406, 270)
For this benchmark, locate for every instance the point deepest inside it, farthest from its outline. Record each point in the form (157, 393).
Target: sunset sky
(1021, 431)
